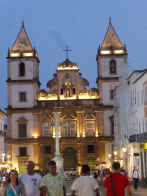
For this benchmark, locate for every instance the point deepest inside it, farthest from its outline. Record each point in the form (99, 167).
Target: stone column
(101, 122)
(80, 123)
(37, 129)
(97, 124)
(36, 153)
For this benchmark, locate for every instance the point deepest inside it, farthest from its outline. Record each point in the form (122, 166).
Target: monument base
(59, 162)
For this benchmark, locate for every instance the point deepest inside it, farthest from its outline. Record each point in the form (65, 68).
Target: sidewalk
(140, 191)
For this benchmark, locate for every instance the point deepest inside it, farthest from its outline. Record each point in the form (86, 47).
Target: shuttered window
(22, 130)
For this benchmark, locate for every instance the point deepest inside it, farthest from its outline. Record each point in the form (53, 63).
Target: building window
(74, 91)
(90, 128)
(113, 67)
(145, 93)
(69, 130)
(22, 96)
(90, 148)
(22, 130)
(111, 94)
(73, 128)
(22, 151)
(47, 129)
(47, 149)
(61, 91)
(21, 69)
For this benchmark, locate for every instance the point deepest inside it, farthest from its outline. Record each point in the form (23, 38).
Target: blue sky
(80, 24)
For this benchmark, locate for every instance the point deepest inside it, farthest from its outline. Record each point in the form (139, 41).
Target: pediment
(68, 116)
(89, 116)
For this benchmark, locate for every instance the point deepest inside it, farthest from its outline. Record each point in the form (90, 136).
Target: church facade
(88, 135)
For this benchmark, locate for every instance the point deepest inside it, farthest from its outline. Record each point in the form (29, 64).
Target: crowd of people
(31, 183)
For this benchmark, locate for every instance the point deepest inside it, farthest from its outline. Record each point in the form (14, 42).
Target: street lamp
(109, 155)
(115, 153)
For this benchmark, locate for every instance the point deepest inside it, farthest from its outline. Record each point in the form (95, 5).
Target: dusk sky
(80, 24)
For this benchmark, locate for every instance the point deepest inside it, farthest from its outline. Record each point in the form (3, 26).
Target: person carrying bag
(116, 183)
(13, 188)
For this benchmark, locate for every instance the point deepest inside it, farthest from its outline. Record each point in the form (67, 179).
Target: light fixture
(124, 149)
(109, 155)
(3, 154)
(115, 153)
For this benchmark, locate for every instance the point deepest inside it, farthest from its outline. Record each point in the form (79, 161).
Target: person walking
(135, 176)
(52, 183)
(85, 185)
(102, 174)
(116, 183)
(13, 188)
(31, 180)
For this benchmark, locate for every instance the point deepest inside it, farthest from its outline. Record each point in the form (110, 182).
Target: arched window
(113, 66)
(74, 91)
(21, 69)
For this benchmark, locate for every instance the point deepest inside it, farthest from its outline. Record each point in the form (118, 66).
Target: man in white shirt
(85, 185)
(31, 180)
(135, 176)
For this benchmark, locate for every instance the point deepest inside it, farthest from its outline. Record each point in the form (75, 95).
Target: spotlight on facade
(109, 155)
(124, 149)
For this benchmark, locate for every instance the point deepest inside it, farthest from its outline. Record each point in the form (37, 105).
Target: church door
(69, 156)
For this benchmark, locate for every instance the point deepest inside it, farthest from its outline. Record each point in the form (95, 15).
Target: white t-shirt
(135, 174)
(85, 186)
(31, 183)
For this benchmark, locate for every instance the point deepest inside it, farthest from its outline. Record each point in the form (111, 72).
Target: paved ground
(139, 192)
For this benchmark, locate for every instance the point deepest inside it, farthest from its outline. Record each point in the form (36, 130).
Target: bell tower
(111, 61)
(23, 72)
(23, 86)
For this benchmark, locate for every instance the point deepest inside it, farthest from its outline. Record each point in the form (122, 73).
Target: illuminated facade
(88, 136)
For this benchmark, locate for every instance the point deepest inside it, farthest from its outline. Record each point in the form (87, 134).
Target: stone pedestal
(59, 162)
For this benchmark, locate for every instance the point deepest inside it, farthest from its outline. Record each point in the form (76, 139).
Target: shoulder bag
(13, 190)
(113, 189)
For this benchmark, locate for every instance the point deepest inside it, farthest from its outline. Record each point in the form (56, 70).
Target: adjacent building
(88, 137)
(130, 121)
(2, 136)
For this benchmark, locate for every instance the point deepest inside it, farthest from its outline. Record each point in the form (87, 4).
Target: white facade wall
(106, 97)
(104, 66)
(1, 137)
(13, 71)
(107, 124)
(14, 125)
(108, 150)
(138, 108)
(15, 153)
(30, 95)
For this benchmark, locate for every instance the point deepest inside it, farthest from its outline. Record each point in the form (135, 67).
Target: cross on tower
(67, 50)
